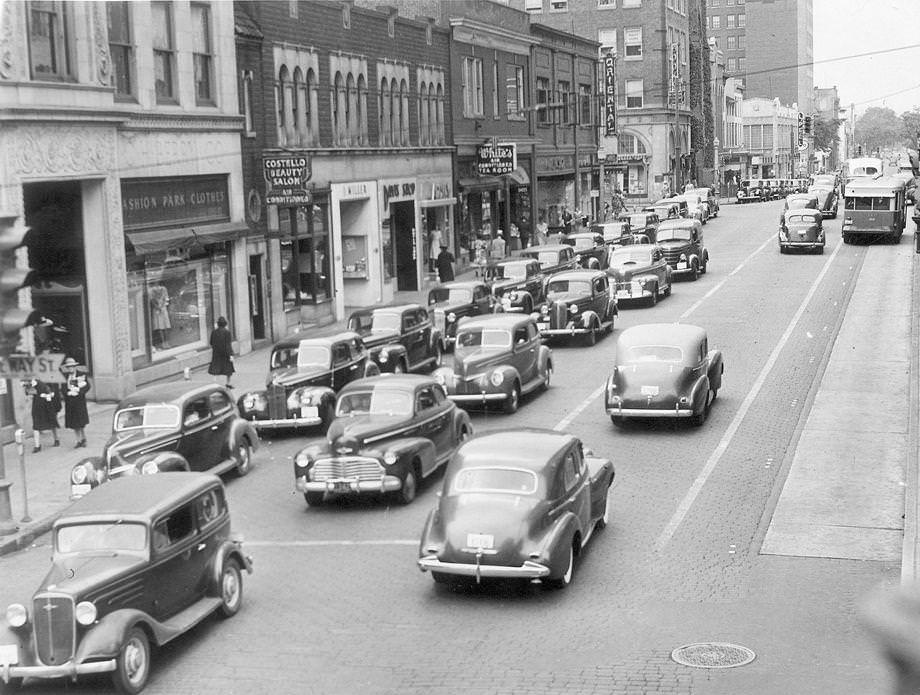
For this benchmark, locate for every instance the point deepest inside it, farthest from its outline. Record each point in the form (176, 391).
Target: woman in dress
(46, 404)
(221, 351)
(76, 385)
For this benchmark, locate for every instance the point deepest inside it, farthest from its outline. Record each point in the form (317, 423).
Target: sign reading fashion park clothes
(174, 201)
(286, 179)
(496, 159)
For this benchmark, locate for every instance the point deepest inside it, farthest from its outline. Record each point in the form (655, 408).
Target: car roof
(577, 274)
(402, 382)
(139, 497)
(505, 320)
(679, 223)
(298, 338)
(544, 247)
(170, 392)
(528, 448)
(682, 335)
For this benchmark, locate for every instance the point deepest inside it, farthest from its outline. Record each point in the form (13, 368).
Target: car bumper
(477, 397)
(676, 412)
(282, 423)
(630, 295)
(570, 329)
(68, 670)
(349, 486)
(681, 268)
(529, 570)
(803, 244)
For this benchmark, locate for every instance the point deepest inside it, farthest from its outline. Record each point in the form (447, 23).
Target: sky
(847, 27)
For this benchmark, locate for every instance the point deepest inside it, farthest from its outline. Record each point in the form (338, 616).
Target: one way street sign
(44, 367)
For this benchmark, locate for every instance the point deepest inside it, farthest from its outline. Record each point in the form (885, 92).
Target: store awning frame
(481, 183)
(150, 241)
(520, 177)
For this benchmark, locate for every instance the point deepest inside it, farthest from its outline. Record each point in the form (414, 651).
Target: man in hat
(445, 265)
(76, 385)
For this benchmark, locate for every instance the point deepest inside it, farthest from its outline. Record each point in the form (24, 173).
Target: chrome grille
(359, 467)
(55, 632)
(277, 402)
(672, 256)
(557, 315)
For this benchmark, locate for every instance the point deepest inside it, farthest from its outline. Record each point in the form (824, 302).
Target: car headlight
(149, 468)
(79, 475)
(496, 378)
(544, 310)
(384, 355)
(683, 258)
(642, 281)
(573, 308)
(302, 459)
(16, 615)
(390, 458)
(512, 296)
(300, 398)
(578, 257)
(254, 401)
(451, 317)
(85, 612)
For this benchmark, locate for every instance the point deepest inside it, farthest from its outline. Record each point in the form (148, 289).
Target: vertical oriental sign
(610, 94)
(286, 179)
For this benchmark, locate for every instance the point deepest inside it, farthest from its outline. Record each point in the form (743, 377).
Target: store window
(307, 273)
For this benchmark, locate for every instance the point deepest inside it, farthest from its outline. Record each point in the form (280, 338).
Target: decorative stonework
(8, 22)
(101, 39)
(66, 150)
(118, 277)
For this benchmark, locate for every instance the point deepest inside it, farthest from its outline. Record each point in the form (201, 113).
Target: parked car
(390, 432)
(643, 223)
(748, 191)
(134, 564)
(709, 196)
(398, 338)
(578, 302)
(665, 209)
(696, 207)
(304, 375)
(616, 233)
(590, 249)
(683, 247)
(450, 302)
(553, 258)
(828, 200)
(178, 426)
(497, 360)
(518, 284)
(663, 370)
(518, 504)
(802, 229)
(640, 272)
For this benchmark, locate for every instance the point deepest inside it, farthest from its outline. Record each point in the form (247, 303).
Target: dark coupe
(578, 302)
(519, 504)
(683, 247)
(398, 338)
(640, 272)
(450, 302)
(553, 258)
(497, 359)
(303, 378)
(390, 432)
(663, 370)
(802, 229)
(179, 426)
(518, 284)
(591, 251)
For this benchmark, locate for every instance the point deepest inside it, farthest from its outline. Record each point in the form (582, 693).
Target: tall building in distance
(770, 44)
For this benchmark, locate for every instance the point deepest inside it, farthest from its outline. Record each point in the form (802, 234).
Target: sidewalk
(47, 473)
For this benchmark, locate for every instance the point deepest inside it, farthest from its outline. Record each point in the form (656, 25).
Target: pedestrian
(566, 220)
(435, 242)
(76, 385)
(514, 238)
(445, 265)
(221, 351)
(542, 232)
(498, 246)
(46, 404)
(616, 203)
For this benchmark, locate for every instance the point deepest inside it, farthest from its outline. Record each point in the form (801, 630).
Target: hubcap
(244, 457)
(135, 662)
(231, 588)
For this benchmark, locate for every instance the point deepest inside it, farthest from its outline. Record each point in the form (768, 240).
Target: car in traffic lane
(681, 241)
(802, 229)
(640, 272)
(518, 505)
(578, 302)
(450, 302)
(398, 338)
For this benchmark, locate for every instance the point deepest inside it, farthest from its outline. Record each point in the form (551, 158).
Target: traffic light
(12, 279)
(859, 150)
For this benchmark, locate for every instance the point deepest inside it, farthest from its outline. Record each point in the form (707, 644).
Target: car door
(343, 367)
(177, 562)
(659, 265)
(576, 487)
(434, 419)
(196, 440)
(223, 415)
(358, 359)
(599, 297)
(425, 329)
(524, 353)
(411, 337)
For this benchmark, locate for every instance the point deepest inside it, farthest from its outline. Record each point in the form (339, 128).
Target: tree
(827, 132)
(911, 121)
(879, 128)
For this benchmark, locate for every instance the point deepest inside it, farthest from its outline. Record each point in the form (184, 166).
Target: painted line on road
(684, 507)
(324, 544)
(594, 395)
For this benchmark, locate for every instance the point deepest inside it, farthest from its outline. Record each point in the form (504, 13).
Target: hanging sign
(286, 179)
(610, 94)
(496, 159)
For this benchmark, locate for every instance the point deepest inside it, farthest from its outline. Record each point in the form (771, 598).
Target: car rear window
(514, 481)
(654, 353)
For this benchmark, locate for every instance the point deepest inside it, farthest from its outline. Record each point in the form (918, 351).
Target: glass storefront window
(309, 273)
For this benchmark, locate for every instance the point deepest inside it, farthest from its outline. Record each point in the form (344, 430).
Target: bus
(874, 207)
(859, 167)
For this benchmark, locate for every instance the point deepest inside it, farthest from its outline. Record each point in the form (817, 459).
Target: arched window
(351, 119)
(340, 110)
(432, 115)
(383, 130)
(403, 113)
(309, 108)
(394, 113)
(423, 114)
(362, 110)
(630, 144)
(297, 111)
(440, 117)
(280, 97)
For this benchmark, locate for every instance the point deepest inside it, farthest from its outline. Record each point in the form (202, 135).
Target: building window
(246, 94)
(163, 53)
(742, 64)
(584, 105)
(395, 112)
(346, 16)
(634, 92)
(731, 65)
(606, 4)
(631, 3)
(471, 86)
(429, 35)
(339, 110)
(607, 38)
(391, 27)
(543, 106)
(495, 111)
(49, 49)
(741, 41)
(423, 127)
(716, 22)
(565, 100)
(533, 5)
(730, 21)
(514, 92)
(632, 43)
(732, 43)
(740, 21)
(558, 5)
(404, 113)
(440, 114)
(120, 47)
(281, 89)
(292, 8)
(362, 110)
(383, 108)
(201, 52)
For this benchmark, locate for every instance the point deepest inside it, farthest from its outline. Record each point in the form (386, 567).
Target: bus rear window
(869, 203)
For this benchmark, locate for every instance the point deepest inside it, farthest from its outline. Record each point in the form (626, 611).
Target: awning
(149, 241)
(481, 183)
(520, 177)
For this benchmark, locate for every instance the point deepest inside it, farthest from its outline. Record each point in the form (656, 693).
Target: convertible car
(518, 504)
(390, 432)
(802, 229)
(497, 359)
(663, 370)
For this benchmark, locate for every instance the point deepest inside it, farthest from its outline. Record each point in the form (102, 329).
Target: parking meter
(917, 241)
(19, 436)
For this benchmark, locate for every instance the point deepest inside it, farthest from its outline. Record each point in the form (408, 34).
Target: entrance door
(256, 299)
(402, 216)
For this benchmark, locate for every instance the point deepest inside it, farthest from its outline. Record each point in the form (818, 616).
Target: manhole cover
(713, 655)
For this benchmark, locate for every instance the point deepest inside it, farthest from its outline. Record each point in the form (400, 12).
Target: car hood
(354, 431)
(80, 574)
(674, 244)
(623, 273)
(289, 376)
(379, 337)
(478, 361)
(514, 522)
(124, 443)
(506, 284)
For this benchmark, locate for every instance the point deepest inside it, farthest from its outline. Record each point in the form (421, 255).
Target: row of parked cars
(760, 190)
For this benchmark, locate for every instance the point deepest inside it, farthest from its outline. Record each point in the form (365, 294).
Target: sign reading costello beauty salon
(286, 179)
(498, 159)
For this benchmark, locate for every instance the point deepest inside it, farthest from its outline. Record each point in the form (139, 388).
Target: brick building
(354, 102)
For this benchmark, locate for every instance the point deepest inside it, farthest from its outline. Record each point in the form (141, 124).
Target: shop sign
(556, 163)
(397, 191)
(46, 367)
(633, 157)
(286, 179)
(496, 159)
(610, 94)
(353, 191)
(174, 201)
(435, 190)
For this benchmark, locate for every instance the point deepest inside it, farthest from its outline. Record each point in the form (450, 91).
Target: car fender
(243, 429)
(95, 462)
(165, 460)
(510, 375)
(395, 353)
(544, 357)
(432, 534)
(699, 394)
(318, 394)
(557, 541)
(461, 420)
(716, 369)
(244, 412)
(407, 450)
(228, 550)
(588, 317)
(104, 639)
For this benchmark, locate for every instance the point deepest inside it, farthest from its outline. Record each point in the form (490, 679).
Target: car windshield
(674, 233)
(108, 536)
(484, 338)
(513, 481)
(581, 242)
(568, 287)
(380, 401)
(385, 321)
(654, 353)
(545, 258)
(454, 295)
(512, 271)
(162, 416)
(313, 356)
(630, 256)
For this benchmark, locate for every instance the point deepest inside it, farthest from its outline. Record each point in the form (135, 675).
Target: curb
(24, 536)
(909, 549)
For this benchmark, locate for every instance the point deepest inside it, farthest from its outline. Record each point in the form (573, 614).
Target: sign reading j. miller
(494, 160)
(179, 200)
(286, 179)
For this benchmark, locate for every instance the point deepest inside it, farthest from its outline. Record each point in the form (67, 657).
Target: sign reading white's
(497, 159)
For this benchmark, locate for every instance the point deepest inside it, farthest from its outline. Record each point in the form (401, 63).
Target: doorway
(256, 297)
(402, 216)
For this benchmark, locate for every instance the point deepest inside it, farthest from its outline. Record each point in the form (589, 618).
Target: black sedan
(591, 251)
(519, 504)
(399, 338)
(452, 301)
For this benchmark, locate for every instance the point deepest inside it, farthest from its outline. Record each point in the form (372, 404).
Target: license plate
(309, 411)
(9, 654)
(340, 485)
(649, 390)
(80, 490)
(624, 293)
(480, 540)
(681, 265)
(542, 326)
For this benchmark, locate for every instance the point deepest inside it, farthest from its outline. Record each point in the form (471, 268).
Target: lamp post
(717, 171)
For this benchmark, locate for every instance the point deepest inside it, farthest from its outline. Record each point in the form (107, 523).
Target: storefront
(404, 246)
(356, 264)
(556, 190)
(436, 219)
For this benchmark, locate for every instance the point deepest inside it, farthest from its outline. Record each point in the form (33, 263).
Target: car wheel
(704, 267)
(782, 249)
(819, 250)
(594, 264)
(231, 589)
(653, 300)
(699, 418)
(328, 414)
(528, 305)
(696, 271)
(132, 665)
(11, 686)
(667, 291)
(442, 578)
(409, 487)
(618, 420)
(847, 238)
(371, 369)
(464, 434)
(591, 335)
(399, 367)
(566, 577)
(438, 353)
(314, 499)
(547, 377)
(513, 400)
(243, 458)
